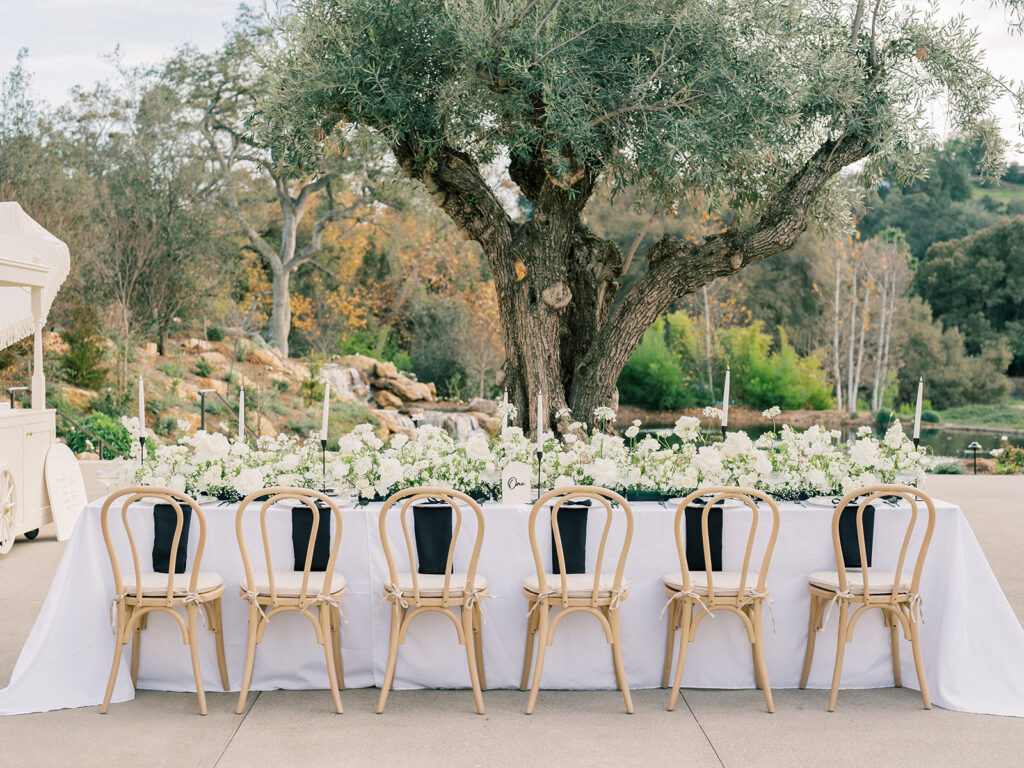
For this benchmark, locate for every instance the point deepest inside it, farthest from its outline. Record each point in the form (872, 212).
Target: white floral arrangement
(787, 463)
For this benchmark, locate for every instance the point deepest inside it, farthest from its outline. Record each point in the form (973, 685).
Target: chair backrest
(750, 499)
(267, 498)
(557, 498)
(866, 496)
(408, 499)
(175, 499)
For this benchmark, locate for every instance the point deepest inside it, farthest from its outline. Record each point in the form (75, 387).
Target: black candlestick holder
(917, 443)
(723, 431)
(540, 458)
(142, 450)
(323, 462)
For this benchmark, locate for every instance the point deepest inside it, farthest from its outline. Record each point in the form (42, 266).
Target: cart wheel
(31, 534)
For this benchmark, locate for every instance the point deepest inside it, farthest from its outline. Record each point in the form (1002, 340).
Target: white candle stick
(241, 414)
(917, 411)
(725, 400)
(504, 414)
(540, 423)
(142, 409)
(327, 408)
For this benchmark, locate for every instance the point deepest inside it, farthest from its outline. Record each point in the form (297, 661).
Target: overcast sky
(68, 40)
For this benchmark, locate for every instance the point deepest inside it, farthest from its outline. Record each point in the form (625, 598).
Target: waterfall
(458, 425)
(347, 381)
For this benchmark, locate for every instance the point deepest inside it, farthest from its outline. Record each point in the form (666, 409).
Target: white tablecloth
(973, 644)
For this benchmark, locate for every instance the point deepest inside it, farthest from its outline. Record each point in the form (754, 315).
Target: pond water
(943, 442)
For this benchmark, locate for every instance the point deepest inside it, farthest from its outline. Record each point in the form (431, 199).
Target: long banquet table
(973, 643)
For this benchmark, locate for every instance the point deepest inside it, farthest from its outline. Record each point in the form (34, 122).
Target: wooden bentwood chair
(711, 591)
(594, 593)
(898, 598)
(271, 592)
(139, 593)
(412, 593)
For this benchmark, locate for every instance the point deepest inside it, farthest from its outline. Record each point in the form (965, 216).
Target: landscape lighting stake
(975, 446)
(202, 408)
(12, 390)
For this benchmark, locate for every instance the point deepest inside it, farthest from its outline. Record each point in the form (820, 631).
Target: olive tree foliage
(750, 106)
(221, 90)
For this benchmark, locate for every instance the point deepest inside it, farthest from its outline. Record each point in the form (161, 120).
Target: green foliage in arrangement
(102, 426)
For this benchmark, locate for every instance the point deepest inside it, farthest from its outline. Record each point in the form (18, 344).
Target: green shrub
(174, 370)
(652, 377)
(102, 426)
(112, 403)
(1010, 461)
(884, 417)
(164, 425)
(281, 385)
(949, 468)
(213, 333)
(765, 378)
(82, 365)
(930, 416)
(203, 368)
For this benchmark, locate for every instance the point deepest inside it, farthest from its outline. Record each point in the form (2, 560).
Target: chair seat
(879, 582)
(726, 583)
(289, 583)
(432, 584)
(577, 584)
(155, 584)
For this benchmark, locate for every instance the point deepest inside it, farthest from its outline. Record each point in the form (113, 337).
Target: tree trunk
(836, 372)
(281, 316)
(864, 320)
(566, 338)
(879, 383)
(851, 394)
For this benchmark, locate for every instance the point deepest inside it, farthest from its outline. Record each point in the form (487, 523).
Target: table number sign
(515, 483)
(66, 489)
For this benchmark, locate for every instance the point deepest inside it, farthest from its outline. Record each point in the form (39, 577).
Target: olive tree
(749, 106)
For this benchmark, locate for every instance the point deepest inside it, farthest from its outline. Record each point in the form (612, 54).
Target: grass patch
(1005, 192)
(1003, 415)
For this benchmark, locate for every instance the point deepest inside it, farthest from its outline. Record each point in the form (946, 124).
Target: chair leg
(894, 642)
(478, 644)
(531, 631)
(844, 613)
(915, 644)
(213, 610)
(812, 633)
(339, 669)
(389, 674)
(122, 620)
(760, 668)
(684, 640)
(669, 642)
(470, 642)
(614, 617)
(542, 645)
(193, 647)
(136, 650)
(324, 616)
(250, 657)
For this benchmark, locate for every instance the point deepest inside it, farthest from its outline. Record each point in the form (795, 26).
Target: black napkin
(572, 528)
(432, 527)
(302, 526)
(165, 520)
(695, 536)
(848, 535)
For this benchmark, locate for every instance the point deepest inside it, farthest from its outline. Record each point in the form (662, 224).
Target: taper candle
(725, 400)
(241, 414)
(504, 414)
(327, 408)
(142, 409)
(917, 411)
(540, 423)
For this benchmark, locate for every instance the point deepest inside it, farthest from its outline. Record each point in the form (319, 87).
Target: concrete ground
(438, 728)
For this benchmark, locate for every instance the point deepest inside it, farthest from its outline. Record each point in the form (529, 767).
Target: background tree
(222, 90)
(756, 106)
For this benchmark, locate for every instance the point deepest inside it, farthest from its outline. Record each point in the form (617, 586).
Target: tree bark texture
(566, 337)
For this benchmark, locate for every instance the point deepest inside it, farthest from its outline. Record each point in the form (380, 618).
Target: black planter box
(647, 496)
(302, 526)
(165, 520)
(572, 528)
(695, 536)
(432, 526)
(848, 535)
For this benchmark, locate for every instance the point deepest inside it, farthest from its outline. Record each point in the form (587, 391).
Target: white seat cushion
(726, 583)
(578, 584)
(288, 583)
(432, 584)
(155, 584)
(879, 582)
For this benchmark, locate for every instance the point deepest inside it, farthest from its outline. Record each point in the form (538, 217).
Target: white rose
(476, 448)
(248, 480)
(399, 440)
(633, 431)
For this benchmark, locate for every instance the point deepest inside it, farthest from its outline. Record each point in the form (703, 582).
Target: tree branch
(514, 23)
(307, 253)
